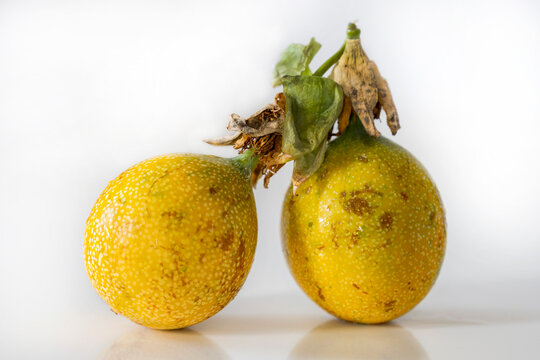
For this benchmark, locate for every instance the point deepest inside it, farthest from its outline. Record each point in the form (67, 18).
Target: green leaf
(313, 105)
(295, 60)
(307, 164)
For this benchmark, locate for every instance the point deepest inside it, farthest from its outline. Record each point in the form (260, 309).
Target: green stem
(246, 161)
(328, 63)
(353, 32)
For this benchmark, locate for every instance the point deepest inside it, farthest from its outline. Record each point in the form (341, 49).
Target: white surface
(487, 321)
(88, 88)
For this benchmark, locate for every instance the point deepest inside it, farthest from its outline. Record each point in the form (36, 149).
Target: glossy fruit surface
(365, 235)
(170, 241)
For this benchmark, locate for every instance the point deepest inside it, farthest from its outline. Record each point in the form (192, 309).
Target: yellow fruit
(365, 235)
(170, 241)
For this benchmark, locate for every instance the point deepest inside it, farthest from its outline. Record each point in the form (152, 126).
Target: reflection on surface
(157, 344)
(262, 324)
(431, 318)
(336, 339)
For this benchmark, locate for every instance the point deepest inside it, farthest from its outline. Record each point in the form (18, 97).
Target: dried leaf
(344, 117)
(368, 91)
(295, 60)
(224, 140)
(266, 121)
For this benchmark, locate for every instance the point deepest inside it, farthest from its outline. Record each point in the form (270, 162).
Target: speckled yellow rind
(365, 235)
(171, 240)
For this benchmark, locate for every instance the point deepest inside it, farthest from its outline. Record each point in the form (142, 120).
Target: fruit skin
(171, 240)
(365, 235)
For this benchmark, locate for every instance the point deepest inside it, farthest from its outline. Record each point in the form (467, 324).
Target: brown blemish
(358, 206)
(369, 190)
(212, 191)
(389, 306)
(431, 217)
(439, 241)
(239, 266)
(320, 247)
(308, 189)
(386, 220)
(354, 238)
(319, 293)
(356, 286)
(173, 215)
(227, 240)
(342, 194)
(404, 196)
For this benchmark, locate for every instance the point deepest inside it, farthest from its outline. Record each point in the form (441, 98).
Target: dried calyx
(363, 84)
(262, 133)
(299, 124)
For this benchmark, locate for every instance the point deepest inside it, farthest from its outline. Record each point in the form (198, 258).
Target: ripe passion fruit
(171, 240)
(365, 235)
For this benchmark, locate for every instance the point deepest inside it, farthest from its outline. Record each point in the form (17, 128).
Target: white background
(88, 88)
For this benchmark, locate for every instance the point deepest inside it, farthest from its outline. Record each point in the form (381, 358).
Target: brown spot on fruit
(319, 293)
(386, 221)
(308, 189)
(354, 238)
(356, 286)
(369, 190)
(389, 306)
(404, 196)
(227, 240)
(358, 206)
(173, 215)
(212, 191)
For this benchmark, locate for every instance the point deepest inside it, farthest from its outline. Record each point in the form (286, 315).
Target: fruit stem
(246, 161)
(352, 31)
(328, 63)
